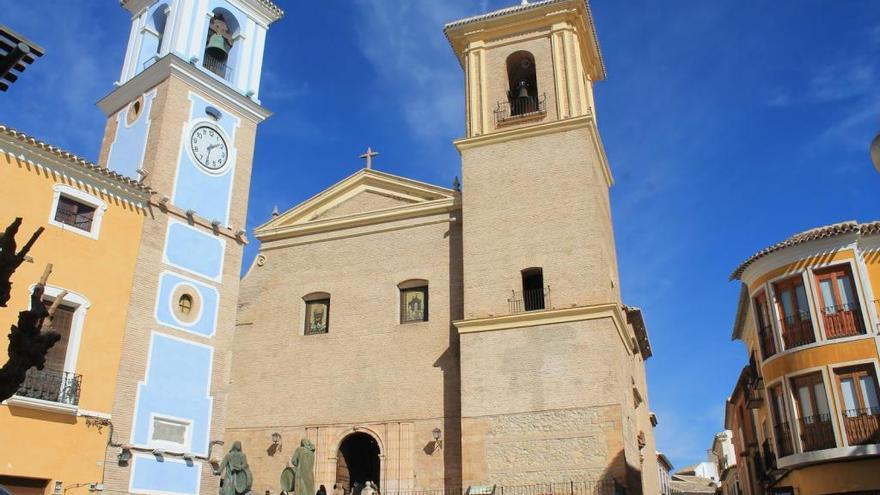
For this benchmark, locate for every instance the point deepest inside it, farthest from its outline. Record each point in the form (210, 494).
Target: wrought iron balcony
(768, 345)
(797, 330)
(51, 385)
(217, 66)
(843, 320)
(862, 425)
(783, 439)
(520, 108)
(769, 457)
(529, 300)
(817, 433)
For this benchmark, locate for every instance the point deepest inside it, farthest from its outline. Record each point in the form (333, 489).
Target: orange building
(806, 410)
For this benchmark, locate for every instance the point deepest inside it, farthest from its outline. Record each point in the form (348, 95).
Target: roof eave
(454, 30)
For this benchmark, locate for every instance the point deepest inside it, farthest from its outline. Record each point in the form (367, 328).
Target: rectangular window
(74, 213)
(169, 433)
(840, 306)
(861, 403)
(781, 428)
(317, 316)
(765, 327)
(62, 323)
(414, 304)
(796, 322)
(814, 417)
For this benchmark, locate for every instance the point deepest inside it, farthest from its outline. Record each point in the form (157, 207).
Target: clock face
(208, 147)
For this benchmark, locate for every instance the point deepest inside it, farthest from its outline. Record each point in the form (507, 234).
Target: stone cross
(369, 157)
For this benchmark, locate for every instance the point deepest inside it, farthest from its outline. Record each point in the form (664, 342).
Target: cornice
(587, 122)
(612, 311)
(173, 64)
(444, 205)
(44, 155)
(459, 33)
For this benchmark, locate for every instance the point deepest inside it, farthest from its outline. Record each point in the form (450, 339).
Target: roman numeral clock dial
(209, 148)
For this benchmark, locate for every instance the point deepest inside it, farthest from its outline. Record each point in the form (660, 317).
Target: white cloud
(55, 97)
(405, 43)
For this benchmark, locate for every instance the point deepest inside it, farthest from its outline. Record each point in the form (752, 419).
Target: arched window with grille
(220, 43)
(522, 82)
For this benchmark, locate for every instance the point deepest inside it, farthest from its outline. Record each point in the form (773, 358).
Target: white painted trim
(100, 206)
(218, 278)
(42, 405)
(145, 383)
(857, 281)
(823, 370)
(231, 160)
(81, 305)
(184, 327)
(171, 446)
(93, 414)
(793, 254)
(838, 400)
(197, 466)
(83, 176)
(843, 453)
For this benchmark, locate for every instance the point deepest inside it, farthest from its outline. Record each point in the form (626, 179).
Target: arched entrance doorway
(357, 461)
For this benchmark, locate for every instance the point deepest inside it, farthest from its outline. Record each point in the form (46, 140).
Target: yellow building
(54, 432)
(806, 412)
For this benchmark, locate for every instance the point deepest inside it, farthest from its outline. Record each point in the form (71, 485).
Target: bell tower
(182, 119)
(548, 357)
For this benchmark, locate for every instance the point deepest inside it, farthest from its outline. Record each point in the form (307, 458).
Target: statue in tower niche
(303, 464)
(236, 475)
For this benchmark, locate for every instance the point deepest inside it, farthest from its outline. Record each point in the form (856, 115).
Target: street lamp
(875, 152)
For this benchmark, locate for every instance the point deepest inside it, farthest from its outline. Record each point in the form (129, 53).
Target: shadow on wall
(448, 362)
(628, 478)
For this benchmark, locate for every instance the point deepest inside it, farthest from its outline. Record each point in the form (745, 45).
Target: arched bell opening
(358, 460)
(522, 82)
(220, 43)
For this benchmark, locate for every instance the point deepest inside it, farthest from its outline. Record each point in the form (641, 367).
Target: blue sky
(729, 125)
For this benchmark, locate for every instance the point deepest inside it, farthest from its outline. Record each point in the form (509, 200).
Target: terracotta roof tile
(72, 158)
(825, 232)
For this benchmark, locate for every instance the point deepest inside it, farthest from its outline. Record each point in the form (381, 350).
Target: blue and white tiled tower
(183, 118)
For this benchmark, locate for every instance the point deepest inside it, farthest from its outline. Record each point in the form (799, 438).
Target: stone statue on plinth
(236, 475)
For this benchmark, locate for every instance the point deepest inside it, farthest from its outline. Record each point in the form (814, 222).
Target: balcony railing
(769, 457)
(529, 300)
(783, 439)
(797, 330)
(844, 320)
(817, 433)
(52, 386)
(520, 108)
(862, 425)
(217, 66)
(768, 345)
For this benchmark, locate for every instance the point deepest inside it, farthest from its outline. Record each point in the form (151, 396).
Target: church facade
(433, 339)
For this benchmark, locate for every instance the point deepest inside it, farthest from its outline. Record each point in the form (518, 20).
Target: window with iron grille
(74, 213)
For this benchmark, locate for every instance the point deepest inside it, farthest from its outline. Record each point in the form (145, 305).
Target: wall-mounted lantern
(438, 443)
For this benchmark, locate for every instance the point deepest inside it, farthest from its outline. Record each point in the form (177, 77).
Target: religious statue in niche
(317, 316)
(236, 475)
(414, 305)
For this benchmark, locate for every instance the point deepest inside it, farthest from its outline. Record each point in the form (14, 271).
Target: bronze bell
(523, 90)
(217, 47)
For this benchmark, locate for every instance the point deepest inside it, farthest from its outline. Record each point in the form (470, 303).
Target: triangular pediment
(364, 193)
